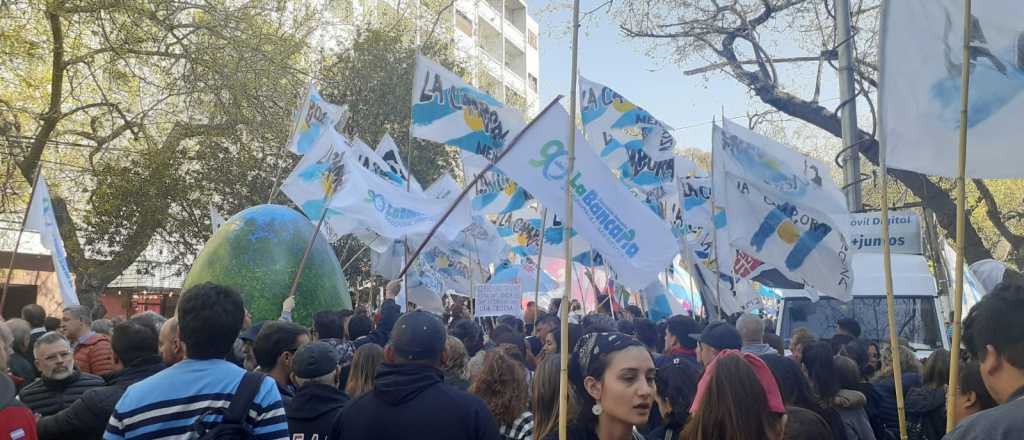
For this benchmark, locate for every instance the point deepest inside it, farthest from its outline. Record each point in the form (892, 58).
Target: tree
(752, 41)
(138, 96)
(374, 77)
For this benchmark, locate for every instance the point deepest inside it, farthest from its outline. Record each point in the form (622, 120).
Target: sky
(686, 103)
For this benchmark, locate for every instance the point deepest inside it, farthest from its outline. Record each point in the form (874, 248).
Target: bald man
(172, 350)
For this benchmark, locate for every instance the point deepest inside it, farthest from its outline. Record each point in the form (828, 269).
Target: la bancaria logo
(552, 164)
(395, 214)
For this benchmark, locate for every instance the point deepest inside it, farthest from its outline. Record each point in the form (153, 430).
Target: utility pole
(848, 108)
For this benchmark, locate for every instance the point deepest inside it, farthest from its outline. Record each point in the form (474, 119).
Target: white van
(918, 314)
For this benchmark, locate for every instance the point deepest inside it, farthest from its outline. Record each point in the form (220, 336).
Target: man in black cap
(319, 401)
(409, 398)
(716, 337)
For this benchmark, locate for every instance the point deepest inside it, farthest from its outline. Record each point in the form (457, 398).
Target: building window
(533, 82)
(463, 22)
(532, 39)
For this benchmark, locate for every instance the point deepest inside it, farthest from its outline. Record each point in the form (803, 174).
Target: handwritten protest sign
(498, 300)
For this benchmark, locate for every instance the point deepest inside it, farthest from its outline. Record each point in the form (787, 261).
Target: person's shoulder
(89, 379)
(36, 386)
(96, 339)
(990, 424)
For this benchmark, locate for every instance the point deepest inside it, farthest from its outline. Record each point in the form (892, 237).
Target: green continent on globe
(257, 252)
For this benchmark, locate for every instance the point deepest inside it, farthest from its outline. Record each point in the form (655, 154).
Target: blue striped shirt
(165, 405)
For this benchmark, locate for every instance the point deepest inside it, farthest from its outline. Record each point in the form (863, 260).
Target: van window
(916, 318)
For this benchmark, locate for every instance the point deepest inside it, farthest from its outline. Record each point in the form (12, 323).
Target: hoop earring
(596, 409)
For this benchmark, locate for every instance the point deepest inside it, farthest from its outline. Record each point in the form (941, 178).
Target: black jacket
(22, 367)
(389, 313)
(926, 413)
(87, 417)
(887, 412)
(426, 408)
(313, 409)
(48, 397)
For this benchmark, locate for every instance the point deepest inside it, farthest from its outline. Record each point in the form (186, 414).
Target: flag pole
(329, 183)
(540, 255)
(961, 220)
(21, 230)
(714, 236)
(470, 186)
(563, 383)
(890, 301)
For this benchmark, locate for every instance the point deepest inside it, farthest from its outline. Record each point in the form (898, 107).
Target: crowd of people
(210, 372)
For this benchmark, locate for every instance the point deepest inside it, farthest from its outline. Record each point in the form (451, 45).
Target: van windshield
(916, 318)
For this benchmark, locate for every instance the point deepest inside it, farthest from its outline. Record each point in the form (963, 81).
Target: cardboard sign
(498, 300)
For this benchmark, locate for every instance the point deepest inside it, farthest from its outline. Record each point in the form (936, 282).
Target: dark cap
(720, 335)
(315, 359)
(418, 336)
(254, 330)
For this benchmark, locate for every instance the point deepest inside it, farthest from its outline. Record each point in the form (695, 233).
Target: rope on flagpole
(961, 220)
(21, 230)
(563, 383)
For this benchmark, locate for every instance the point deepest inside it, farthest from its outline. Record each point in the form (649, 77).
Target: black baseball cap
(418, 336)
(315, 359)
(253, 331)
(720, 335)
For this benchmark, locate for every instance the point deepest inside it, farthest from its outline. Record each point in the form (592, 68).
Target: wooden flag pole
(329, 183)
(890, 301)
(961, 220)
(563, 383)
(540, 255)
(17, 241)
(470, 186)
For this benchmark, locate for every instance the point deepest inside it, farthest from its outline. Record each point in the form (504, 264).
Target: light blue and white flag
(447, 110)
(312, 117)
(920, 87)
(524, 274)
(521, 230)
(628, 235)
(784, 209)
(636, 146)
(40, 219)
(388, 152)
(495, 193)
(458, 269)
(481, 240)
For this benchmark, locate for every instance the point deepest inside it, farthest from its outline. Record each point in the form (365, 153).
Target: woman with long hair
(612, 376)
(455, 368)
(501, 384)
(926, 404)
(820, 367)
(364, 368)
(885, 383)
(737, 399)
(544, 398)
(676, 388)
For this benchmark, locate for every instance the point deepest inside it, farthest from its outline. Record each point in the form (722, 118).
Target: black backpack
(233, 425)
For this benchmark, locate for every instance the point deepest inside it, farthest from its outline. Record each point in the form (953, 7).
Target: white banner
(393, 212)
(40, 219)
(389, 153)
(628, 235)
(495, 193)
(920, 87)
(499, 300)
(904, 232)
(784, 209)
(312, 117)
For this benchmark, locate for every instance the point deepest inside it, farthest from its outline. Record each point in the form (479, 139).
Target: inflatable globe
(257, 252)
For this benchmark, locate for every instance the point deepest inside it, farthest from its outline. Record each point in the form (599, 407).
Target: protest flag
(312, 117)
(40, 218)
(447, 110)
(628, 235)
(784, 209)
(921, 84)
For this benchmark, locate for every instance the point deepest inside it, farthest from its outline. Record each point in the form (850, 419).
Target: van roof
(911, 277)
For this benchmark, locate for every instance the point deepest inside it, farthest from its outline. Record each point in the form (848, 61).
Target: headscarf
(594, 346)
(761, 370)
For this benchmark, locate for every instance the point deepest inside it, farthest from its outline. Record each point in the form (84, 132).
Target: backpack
(233, 425)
